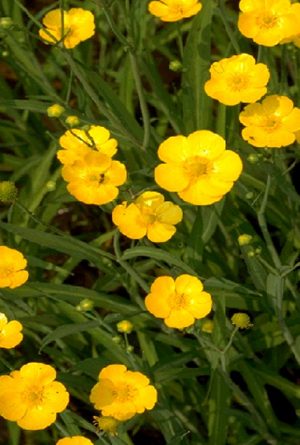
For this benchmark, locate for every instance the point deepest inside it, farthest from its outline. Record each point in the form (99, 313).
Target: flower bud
(241, 320)
(125, 326)
(244, 239)
(107, 424)
(85, 305)
(8, 192)
(55, 110)
(72, 121)
(6, 22)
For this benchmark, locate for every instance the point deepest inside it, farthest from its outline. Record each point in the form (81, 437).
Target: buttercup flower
(74, 440)
(174, 10)
(149, 215)
(94, 179)
(12, 263)
(294, 35)
(121, 393)
(203, 169)
(272, 123)
(71, 27)
(32, 397)
(77, 143)
(179, 302)
(10, 332)
(267, 22)
(237, 79)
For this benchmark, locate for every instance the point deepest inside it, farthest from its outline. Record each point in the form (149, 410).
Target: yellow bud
(72, 121)
(55, 110)
(207, 326)
(107, 424)
(8, 192)
(6, 22)
(253, 158)
(244, 239)
(241, 320)
(85, 305)
(125, 326)
(117, 339)
(175, 65)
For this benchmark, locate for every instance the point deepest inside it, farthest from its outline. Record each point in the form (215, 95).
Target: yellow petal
(200, 305)
(179, 319)
(169, 213)
(187, 284)
(164, 175)
(157, 305)
(56, 397)
(160, 233)
(38, 372)
(113, 372)
(102, 394)
(227, 167)
(129, 221)
(175, 149)
(37, 418)
(206, 144)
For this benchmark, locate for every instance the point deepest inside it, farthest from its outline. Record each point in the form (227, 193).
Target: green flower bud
(8, 192)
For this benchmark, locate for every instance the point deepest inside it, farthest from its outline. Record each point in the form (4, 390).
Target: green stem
(143, 103)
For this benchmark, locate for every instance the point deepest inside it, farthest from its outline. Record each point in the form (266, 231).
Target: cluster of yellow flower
(93, 176)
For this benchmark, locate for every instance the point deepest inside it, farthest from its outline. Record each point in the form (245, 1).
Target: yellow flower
(77, 143)
(272, 123)
(107, 424)
(121, 393)
(149, 215)
(241, 320)
(237, 79)
(31, 396)
(55, 110)
(74, 440)
(294, 35)
(10, 332)
(12, 264)
(71, 27)
(94, 179)
(125, 326)
(267, 22)
(179, 302)
(174, 10)
(197, 167)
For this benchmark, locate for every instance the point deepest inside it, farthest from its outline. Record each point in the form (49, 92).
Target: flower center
(177, 301)
(95, 177)
(238, 82)
(33, 396)
(271, 124)
(267, 21)
(125, 393)
(197, 166)
(6, 272)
